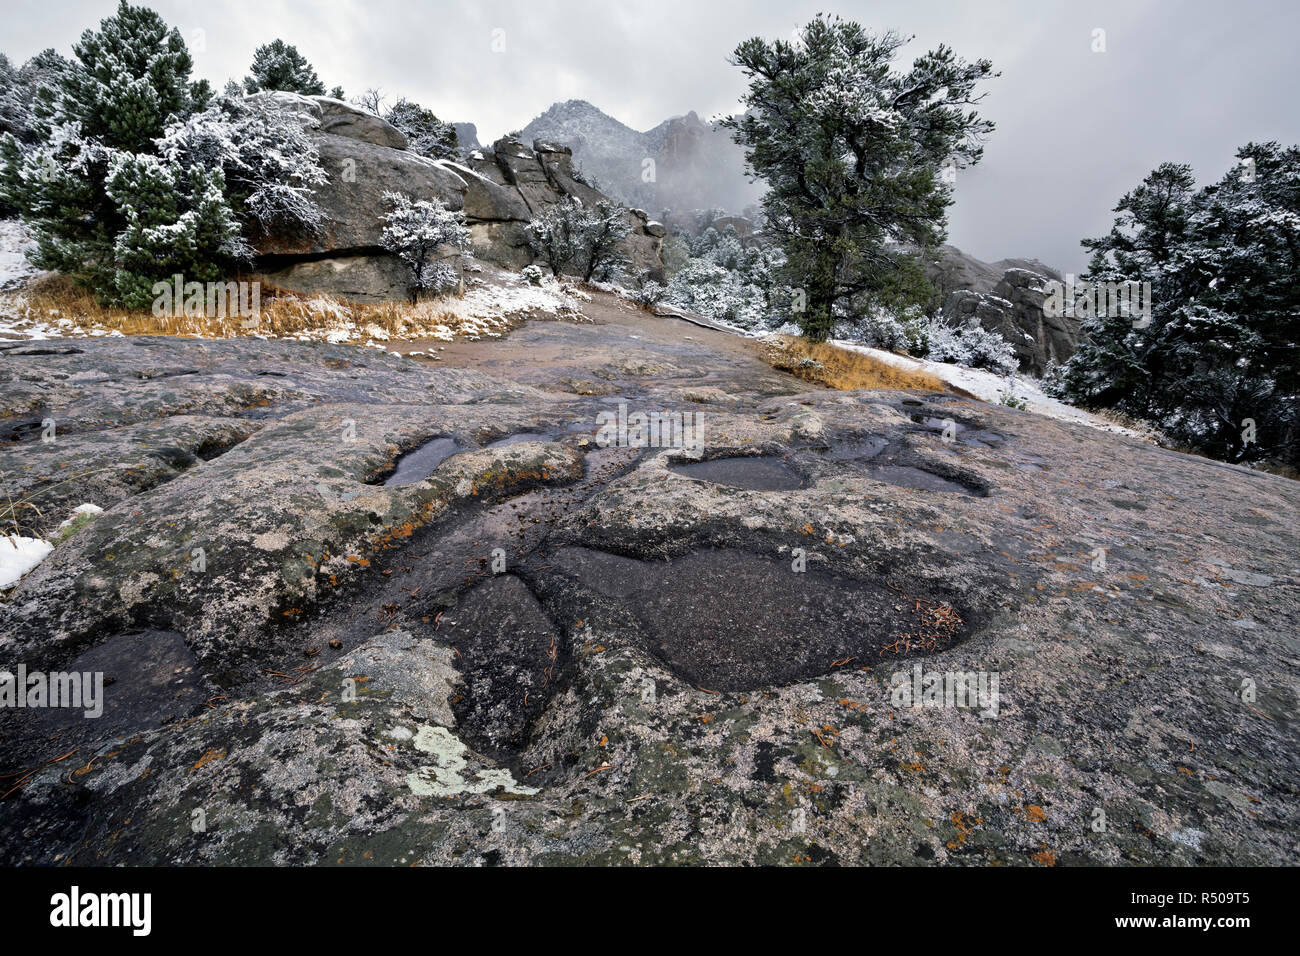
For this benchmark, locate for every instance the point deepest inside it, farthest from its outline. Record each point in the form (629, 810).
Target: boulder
(521, 169)
(504, 243)
(352, 201)
(368, 277)
(486, 199)
(343, 119)
(1056, 337)
(499, 190)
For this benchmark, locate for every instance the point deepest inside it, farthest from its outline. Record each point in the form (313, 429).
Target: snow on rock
(77, 512)
(18, 555)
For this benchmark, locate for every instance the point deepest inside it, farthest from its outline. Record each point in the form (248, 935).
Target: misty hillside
(696, 165)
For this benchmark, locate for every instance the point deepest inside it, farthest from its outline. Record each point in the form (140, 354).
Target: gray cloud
(1187, 81)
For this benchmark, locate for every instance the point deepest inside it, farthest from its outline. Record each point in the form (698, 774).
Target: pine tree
(279, 66)
(427, 135)
(177, 221)
(1219, 348)
(852, 152)
(96, 129)
(129, 81)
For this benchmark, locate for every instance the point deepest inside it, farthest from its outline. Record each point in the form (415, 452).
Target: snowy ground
(989, 387)
(984, 385)
(18, 555)
(14, 267)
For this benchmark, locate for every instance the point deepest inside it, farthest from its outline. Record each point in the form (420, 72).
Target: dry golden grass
(843, 369)
(57, 300)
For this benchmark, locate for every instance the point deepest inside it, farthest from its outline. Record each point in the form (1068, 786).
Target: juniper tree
(1215, 366)
(427, 135)
(279, 66)
(570, 237)
(414, 230)
(601, 234)
(128, 81)
(852, 151)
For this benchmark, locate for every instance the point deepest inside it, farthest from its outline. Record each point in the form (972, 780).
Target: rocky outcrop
(952, 270)
(499, 191)
(342, 119)
(540, 177)
(1014, 310)
(466, 135)
(676, 663)
(364, 157)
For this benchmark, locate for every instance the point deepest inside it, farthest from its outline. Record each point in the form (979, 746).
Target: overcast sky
(1183, 81)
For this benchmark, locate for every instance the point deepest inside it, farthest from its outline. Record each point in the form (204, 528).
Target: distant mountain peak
(681, 164)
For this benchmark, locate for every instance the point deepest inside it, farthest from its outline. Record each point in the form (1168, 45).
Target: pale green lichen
(447, 779)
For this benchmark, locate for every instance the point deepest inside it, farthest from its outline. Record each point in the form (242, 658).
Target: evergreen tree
(852, 152)
(128, 82)
(96, 128)
(427, 135)
(269, 162)
(177, 221)
(569, 237)
(279, 66)
(1215, 366)
(15, 113)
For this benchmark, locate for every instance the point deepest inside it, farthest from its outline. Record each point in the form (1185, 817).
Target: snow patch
(18, 555)
(77, 512)
(989, 386)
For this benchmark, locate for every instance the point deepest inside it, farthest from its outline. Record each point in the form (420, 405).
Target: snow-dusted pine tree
(853, 152)
(270, 164)
(177, 221)
(279, 66)
(1215, 365)
(427, 135)
(128, 81)
(414, 230)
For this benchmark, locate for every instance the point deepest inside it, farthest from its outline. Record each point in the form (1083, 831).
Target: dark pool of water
(754, 474)
(905, 476)
(419, 463)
